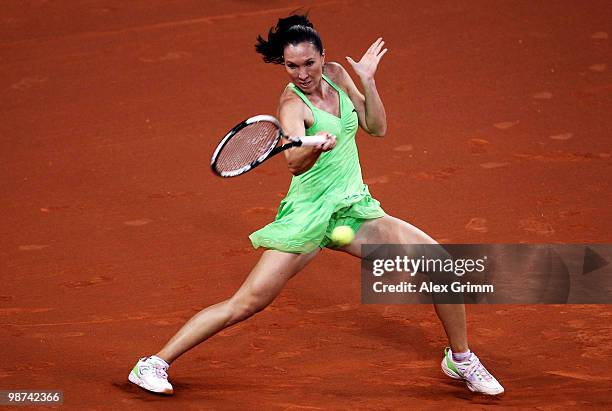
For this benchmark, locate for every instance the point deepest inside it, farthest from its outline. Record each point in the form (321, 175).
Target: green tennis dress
(330, 194)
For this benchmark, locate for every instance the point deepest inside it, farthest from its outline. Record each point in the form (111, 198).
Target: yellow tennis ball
(342, 235)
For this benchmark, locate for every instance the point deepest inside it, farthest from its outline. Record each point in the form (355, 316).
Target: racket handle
(312, 140)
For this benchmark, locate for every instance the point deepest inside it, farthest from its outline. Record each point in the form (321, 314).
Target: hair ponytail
(293, 29)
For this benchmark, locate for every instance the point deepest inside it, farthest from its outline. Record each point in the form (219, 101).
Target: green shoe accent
(136, 370)
(450, 364)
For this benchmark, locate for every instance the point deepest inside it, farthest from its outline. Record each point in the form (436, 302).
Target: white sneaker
(476, 376)
(150, 373)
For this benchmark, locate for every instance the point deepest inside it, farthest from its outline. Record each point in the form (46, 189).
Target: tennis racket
(251, 143)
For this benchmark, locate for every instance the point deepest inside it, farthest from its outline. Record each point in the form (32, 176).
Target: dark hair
(293, 29)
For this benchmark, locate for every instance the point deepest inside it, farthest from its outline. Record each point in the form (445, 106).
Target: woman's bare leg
(391, 230)
(263, 284)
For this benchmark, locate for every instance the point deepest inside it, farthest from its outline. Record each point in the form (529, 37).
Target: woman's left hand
(366, 67)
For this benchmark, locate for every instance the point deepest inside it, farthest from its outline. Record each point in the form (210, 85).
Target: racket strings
(246, 146)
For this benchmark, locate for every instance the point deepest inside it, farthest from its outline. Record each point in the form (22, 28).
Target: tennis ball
(342, 235)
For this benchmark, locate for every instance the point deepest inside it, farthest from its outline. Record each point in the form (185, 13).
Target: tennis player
(326, 191)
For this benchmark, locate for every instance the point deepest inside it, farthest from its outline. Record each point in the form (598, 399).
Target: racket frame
(272, 150)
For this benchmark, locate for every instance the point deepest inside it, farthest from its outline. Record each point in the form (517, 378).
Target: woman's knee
(243, 306)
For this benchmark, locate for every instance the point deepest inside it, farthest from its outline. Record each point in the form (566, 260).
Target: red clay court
(114, 230)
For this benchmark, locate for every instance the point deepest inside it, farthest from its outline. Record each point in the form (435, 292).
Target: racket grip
(313, 140)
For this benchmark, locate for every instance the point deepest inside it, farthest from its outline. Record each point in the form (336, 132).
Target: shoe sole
(133, 378)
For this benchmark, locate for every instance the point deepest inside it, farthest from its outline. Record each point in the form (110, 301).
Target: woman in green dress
(326, 191)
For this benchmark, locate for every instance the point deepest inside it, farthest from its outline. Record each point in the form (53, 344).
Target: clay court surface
(115, 232)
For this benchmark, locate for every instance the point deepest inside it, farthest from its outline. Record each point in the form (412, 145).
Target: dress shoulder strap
(331, 83)
(301, 95)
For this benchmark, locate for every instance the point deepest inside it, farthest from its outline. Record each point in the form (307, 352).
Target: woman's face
(304, 64)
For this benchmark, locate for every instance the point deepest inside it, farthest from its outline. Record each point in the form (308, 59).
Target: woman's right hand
(330, 141)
